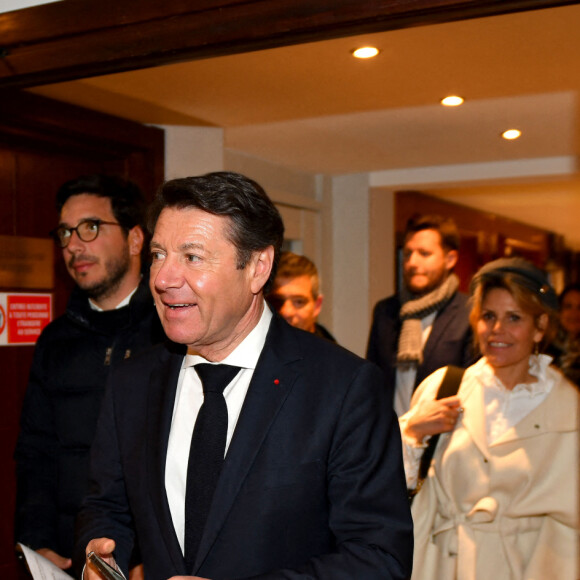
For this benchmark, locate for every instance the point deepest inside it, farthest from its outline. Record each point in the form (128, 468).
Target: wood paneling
(484, 236)
(44, 143)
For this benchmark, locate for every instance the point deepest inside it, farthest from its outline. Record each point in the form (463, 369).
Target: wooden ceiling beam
(76, 39)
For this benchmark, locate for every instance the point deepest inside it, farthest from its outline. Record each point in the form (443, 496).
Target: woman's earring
(536, 348)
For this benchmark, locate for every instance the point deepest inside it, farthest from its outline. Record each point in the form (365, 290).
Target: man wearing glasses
(110, 317)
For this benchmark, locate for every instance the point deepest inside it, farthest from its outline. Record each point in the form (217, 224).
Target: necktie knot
(215, 378)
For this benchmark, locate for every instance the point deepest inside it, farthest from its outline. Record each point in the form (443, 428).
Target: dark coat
(72, 360)
(450, 341)
(322, 331)
(312, 485)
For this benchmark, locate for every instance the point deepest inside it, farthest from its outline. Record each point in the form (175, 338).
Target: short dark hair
(294, 265)
(127, 201)
(255, 221)
(444, 225)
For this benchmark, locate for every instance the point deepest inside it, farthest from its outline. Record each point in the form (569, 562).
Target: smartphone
(106, 570)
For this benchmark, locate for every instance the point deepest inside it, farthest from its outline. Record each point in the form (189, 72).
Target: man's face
(425, 263)
(99, 266)
(293, 299)
(202, 299)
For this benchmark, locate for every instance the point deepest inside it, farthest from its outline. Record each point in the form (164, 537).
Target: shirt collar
(121, 304)
(246, 354)
(538, 365)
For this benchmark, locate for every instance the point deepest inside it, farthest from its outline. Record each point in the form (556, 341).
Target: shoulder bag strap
(448, 387)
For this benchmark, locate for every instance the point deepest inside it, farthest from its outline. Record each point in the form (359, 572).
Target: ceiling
(314, 108)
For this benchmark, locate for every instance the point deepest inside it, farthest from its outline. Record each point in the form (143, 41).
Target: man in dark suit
(312, 484)
(426, 326)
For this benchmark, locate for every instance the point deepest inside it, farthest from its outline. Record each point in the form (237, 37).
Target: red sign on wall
(23, 317)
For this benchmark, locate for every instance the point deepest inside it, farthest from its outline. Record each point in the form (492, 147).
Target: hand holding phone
(106, 570)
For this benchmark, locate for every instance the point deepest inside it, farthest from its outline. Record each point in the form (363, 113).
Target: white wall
(10, 5)
(350, 260)
(192, 150)
(382, 245)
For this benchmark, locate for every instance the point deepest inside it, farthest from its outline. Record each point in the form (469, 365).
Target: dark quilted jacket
(72, 360)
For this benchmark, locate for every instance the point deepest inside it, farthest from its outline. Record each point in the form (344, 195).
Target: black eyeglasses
(87, 231)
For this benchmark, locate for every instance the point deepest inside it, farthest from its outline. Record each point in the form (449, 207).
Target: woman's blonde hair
(527, 299)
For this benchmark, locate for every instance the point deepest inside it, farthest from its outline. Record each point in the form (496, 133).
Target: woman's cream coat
(507, 510)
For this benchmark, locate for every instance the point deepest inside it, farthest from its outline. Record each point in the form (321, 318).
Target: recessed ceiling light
(452, 101)
(511, 134)
(365, 52)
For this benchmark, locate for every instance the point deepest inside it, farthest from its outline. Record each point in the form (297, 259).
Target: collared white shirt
(504, 408)
(405, 378)
(188, 400)
(121, 304)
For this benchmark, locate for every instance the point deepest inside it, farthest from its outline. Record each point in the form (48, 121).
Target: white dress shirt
(188, 400)
(504, 408)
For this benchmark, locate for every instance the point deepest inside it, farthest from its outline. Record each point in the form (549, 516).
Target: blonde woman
(500, 498)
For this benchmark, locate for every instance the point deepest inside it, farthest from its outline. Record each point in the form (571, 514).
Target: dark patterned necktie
(206, 454)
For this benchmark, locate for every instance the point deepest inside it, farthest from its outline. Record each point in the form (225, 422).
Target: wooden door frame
(74, 39)
(27, 119)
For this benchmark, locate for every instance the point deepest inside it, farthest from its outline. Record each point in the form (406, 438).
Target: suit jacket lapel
(161, 399)
(270, 386)
(440, 324)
